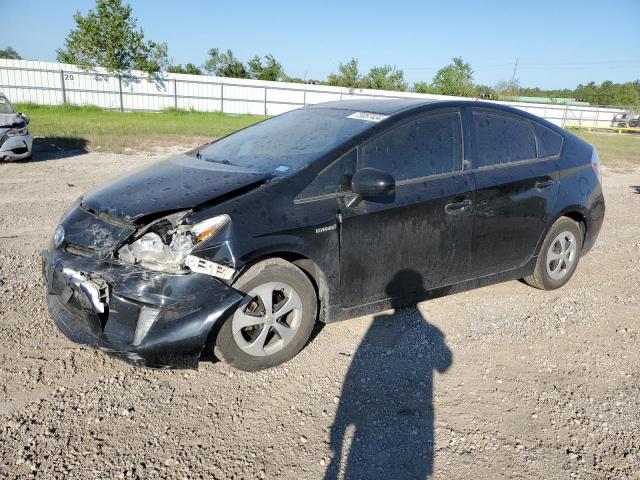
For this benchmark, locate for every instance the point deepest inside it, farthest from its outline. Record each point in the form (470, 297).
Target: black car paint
(460, 231)
(171, 185)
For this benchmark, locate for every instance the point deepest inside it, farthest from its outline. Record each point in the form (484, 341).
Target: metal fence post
(64, 90)
(175, 93)
(304, 98)
(221, 97)
(265, 101)
(120, 91)
(564, 118)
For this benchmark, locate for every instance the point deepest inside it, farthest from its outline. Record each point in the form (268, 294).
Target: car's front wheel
(558, 257)
(274, 320)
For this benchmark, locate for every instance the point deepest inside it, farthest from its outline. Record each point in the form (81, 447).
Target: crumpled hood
(178, 183)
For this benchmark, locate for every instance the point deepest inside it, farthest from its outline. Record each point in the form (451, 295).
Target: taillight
(595, 165)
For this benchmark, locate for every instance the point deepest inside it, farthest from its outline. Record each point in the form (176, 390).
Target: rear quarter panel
(580, 192)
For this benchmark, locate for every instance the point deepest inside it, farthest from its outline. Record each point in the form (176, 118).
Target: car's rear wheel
(558, 257)
(273, 321)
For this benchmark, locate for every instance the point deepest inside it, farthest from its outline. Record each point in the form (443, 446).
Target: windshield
(5, 106)
(287, 142)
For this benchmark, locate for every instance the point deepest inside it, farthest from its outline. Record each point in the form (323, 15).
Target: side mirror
(25, 117)
(371, 182)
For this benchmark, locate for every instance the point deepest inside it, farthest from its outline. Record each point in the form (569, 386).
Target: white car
(16, 142)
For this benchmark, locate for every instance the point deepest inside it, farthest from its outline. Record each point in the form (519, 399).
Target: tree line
(108, 37)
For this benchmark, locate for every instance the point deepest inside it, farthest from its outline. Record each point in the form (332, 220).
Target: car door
(515, 191)
(425, 226)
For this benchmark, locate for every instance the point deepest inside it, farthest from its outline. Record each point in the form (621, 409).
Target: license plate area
(90, 291)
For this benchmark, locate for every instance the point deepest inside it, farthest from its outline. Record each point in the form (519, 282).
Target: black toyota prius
(243, 244)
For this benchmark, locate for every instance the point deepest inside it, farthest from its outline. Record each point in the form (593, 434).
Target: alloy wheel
(267, 319)
(561, 255)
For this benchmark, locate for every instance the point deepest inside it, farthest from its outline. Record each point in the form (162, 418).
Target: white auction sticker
(367, 116)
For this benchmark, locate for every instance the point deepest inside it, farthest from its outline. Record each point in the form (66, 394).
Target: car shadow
(56, 148)
(636, 188)
(387, 395)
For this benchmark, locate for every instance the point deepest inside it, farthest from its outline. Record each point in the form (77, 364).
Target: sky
(557, 43)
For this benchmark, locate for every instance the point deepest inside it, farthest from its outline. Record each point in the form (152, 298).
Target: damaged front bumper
(146, 317)
(16, 147)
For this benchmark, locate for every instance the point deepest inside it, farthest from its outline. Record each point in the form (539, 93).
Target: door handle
(544, 184)
(457, 208)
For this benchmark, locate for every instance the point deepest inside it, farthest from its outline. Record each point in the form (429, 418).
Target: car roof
(391, 106)
(385, 106)
(402, 106)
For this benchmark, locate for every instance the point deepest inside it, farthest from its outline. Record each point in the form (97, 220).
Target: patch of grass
(614, 150)
(102, 130)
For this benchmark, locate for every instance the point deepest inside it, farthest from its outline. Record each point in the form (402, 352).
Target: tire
(559, 256)
(276, 338)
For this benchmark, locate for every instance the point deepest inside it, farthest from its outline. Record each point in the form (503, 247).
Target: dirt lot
(524, 383)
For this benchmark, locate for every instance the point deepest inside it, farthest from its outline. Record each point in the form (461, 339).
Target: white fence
(48, 83)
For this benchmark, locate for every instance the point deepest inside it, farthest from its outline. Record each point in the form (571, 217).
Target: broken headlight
(165, 247)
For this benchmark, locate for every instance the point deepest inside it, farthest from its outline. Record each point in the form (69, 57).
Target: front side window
(334, 178)
(502, 138)
(430, 145)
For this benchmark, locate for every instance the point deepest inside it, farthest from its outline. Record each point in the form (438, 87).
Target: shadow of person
(387, 395)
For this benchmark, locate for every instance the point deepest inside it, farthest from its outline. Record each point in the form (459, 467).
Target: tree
(347, 76)
(308, 81)
(627, 94)
(10, 53)
(609, 93)
(486, 92)
(422, 87)
(385, 78)
(455, 79)
(189, 69)
(107, 37)
(606, 93)
(271, 70)
(509, 88)
(225, 65)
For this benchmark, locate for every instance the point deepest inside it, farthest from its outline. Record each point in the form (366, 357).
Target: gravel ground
(524, 383)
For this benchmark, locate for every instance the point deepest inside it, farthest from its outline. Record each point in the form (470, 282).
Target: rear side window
(549, 142)
(502, 139)
(334, 178)
(429, 145)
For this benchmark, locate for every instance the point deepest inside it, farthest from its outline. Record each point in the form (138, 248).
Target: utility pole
(515, 66)
(514, 91)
